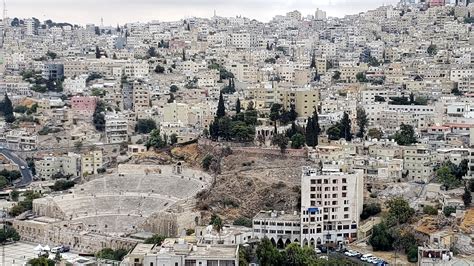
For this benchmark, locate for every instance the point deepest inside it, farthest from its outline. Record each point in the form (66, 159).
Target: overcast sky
(122, 11)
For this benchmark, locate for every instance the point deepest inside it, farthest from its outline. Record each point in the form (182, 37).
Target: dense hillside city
(226, 141)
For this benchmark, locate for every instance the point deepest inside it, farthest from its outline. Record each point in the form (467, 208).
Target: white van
(366, 257)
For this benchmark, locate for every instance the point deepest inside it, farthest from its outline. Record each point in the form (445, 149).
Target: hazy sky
(121, 11)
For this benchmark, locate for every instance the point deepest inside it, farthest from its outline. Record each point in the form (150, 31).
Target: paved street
(27, 177)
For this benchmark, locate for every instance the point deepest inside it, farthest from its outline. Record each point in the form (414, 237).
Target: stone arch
(305, 242)
(311, 242)
(280, 244)
(296, 241)
(273, 242)
(318, 241)
(287, 242)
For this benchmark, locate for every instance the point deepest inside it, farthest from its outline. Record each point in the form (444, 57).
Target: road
(26, 176)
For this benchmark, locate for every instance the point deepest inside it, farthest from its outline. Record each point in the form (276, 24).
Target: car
(58, 249)
(22, 167)
(318, 251)
(350, 253)
(365, 257)
(372, 259)
(66, 248)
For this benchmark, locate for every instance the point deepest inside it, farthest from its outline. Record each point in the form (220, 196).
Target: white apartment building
(116, 128)
(75, 85)
(331, 202)
(281, 228)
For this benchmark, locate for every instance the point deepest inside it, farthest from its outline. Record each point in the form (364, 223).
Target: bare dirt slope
(249, 183)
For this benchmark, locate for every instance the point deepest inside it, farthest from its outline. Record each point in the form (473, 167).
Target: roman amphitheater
(106, 211)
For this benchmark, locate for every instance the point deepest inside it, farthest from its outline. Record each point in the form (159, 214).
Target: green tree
(281, 141)
(145, 126)
(7, 109)
(297, 141)
(399, 211)
(214, 129)
(445, 176)
(14, 195)
(237, 106)
(155, 140)
(159, 69)
(3, 182)
(381, 239)
(8, 233)
(467, 197)
(41, 261)
(334, 132)
(61, 185)
(337, 75)
(267, 254)
(432, 50)
(152, 52)
(174, 88)
(98, 118)
(361, 77)
(110, 254)
(369, 210)
(243, 221)
(448, 210)
(362, 122)
(346, 127)
(405, 136)
(207, 161)
(220, 107)
(155, 239)
(430, 210)
(216, 222)
(97, 52)
(313, 130)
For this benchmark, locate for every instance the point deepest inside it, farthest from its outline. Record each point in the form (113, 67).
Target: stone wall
(162, 223)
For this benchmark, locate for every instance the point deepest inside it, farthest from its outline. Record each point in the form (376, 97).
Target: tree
(267, 254)
(313, 61)
(145, 126)
(381, 239)
(446, 176)
(448, 210)
(61, 185)
(375, 133)
(155, 140)
(337, 75)
(467, 197)
(297, 141)
(214, 129)
(171, 99)
(432, 50)
(155, 239)
(206, 161)
(110, 254)
(334, 132)
(8, 233)
(3, 182)
(399, 211)
(152, 52)
(41, 261)
(173, 139)
(220, 107)
(361, 77)
(275, 111)
(430, 210)
(369, 210)
(216, 222)
(243, 221)
(237, 106)
(346, 127)
(281, 141)
(405, 136)
(7, 109)
(14, 195)
(174, 88)
(97, 52)
(362, 121)
(159, 69)
(98, 118)
(313, 130)
(184, 55)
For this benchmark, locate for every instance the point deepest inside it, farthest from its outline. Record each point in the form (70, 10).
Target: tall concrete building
(331, 202)
(319, 14)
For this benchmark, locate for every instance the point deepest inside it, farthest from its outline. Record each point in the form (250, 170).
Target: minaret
(5, 23)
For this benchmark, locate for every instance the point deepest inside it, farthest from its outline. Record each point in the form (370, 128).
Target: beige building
(418, 163)
(141, 98)
(91, 162)
(304, 100)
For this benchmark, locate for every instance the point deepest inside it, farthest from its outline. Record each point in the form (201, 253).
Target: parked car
(22, 167)
(365, 257)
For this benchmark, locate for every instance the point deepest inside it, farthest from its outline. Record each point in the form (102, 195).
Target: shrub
(430, 210)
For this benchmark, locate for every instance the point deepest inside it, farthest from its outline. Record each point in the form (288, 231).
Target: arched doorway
(273, 242)
(280, 244)
(305, 242)
(287, 242)
(312, 242)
